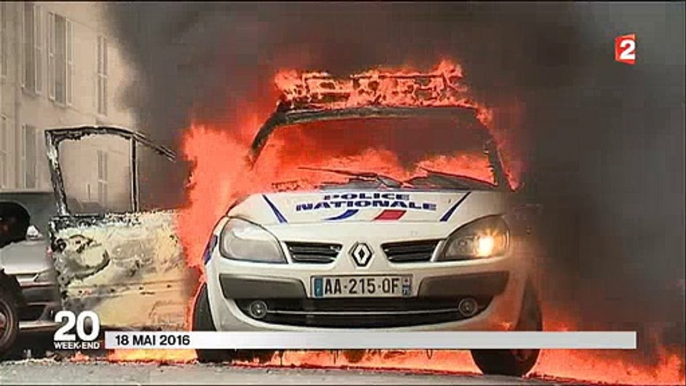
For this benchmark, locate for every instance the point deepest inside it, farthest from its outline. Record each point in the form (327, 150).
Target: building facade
(60, 66)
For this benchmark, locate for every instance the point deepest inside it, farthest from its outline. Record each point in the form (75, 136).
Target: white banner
(462, 340)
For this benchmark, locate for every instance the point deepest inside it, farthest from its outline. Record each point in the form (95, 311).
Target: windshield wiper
(456, 179)
(384, 180)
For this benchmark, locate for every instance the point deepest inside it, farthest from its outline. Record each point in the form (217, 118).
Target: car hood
(25, 257)
(357, 206)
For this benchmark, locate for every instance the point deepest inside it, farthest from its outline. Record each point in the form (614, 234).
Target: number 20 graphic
(63, 334)
(625, 49)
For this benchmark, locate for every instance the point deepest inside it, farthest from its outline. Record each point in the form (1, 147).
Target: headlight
(243, 240)
(486, 237)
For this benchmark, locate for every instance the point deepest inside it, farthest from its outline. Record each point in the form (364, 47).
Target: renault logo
(361, 254)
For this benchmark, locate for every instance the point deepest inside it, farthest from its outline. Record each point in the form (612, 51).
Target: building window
(102, 177)
(33, 48)
(102, 76)
(29, 156)
(4, 40)
(4, 158)
(60, 59)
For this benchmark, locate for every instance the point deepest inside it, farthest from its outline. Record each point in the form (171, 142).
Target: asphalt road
(49, 371)
(63, 369)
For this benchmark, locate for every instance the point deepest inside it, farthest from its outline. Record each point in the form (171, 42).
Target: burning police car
(429, 246)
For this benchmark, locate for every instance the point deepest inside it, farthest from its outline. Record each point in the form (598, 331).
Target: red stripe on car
(390, 214)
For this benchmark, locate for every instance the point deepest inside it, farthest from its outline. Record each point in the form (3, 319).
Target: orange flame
(596, 367)
(164, 356)
(384, 87)
(221, 175)
(221, 172)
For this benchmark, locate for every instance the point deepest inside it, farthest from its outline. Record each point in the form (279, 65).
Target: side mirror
(32, 233)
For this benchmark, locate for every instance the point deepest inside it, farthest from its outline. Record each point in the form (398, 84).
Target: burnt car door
(111, 257)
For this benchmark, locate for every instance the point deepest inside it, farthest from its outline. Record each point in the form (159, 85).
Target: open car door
(113, 258)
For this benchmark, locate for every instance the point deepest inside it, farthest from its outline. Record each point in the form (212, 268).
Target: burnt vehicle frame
(80, 229)
(55, 136)
(286, 115)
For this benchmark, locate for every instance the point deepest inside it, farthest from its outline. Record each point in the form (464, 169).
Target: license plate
(362, 286)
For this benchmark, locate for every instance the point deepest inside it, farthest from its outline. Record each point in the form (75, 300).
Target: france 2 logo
(625, 49)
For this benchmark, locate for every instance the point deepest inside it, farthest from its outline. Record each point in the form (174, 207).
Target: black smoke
(604, 141)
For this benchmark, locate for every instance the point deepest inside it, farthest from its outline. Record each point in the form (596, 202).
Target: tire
(9, 320)
(202, 321)
(515, 363)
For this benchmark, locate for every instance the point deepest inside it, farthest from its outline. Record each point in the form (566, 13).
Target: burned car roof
(57, 135)
(319, 96)
(286, 114)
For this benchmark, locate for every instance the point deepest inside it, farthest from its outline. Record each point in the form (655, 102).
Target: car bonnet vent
(313, 253)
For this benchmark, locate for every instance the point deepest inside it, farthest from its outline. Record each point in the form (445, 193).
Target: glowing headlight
(486, 237)
(242, 240)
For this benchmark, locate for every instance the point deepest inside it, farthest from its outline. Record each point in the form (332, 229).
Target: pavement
(50, 371)
(65, 368)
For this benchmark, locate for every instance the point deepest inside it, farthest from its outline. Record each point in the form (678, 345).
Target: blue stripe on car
(209, 248)
(344, 215)
(278, 214)
(450, 211)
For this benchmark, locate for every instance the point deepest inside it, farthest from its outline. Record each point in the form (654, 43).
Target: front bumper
(41, 302)
(500, 311)
(479, 284)
(439, 300)
(497, 284)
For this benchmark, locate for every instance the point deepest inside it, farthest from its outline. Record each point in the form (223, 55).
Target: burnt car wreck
(128, 266)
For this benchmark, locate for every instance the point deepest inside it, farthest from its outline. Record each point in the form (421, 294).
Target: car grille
(410, 252)
(313, 253)
(362, 313)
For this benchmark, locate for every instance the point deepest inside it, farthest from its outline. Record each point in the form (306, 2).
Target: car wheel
(9, 320)
(514, 362)
(202, 321)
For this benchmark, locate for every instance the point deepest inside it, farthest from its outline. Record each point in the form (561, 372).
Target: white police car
(437, 251)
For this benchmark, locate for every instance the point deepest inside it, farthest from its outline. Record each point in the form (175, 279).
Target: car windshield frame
(284, 116)
(55, 136)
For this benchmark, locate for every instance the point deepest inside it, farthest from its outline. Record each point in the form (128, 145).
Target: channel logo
(625, 49)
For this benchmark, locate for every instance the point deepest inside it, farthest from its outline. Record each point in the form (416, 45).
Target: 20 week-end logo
(625, 49)
(86, 325)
